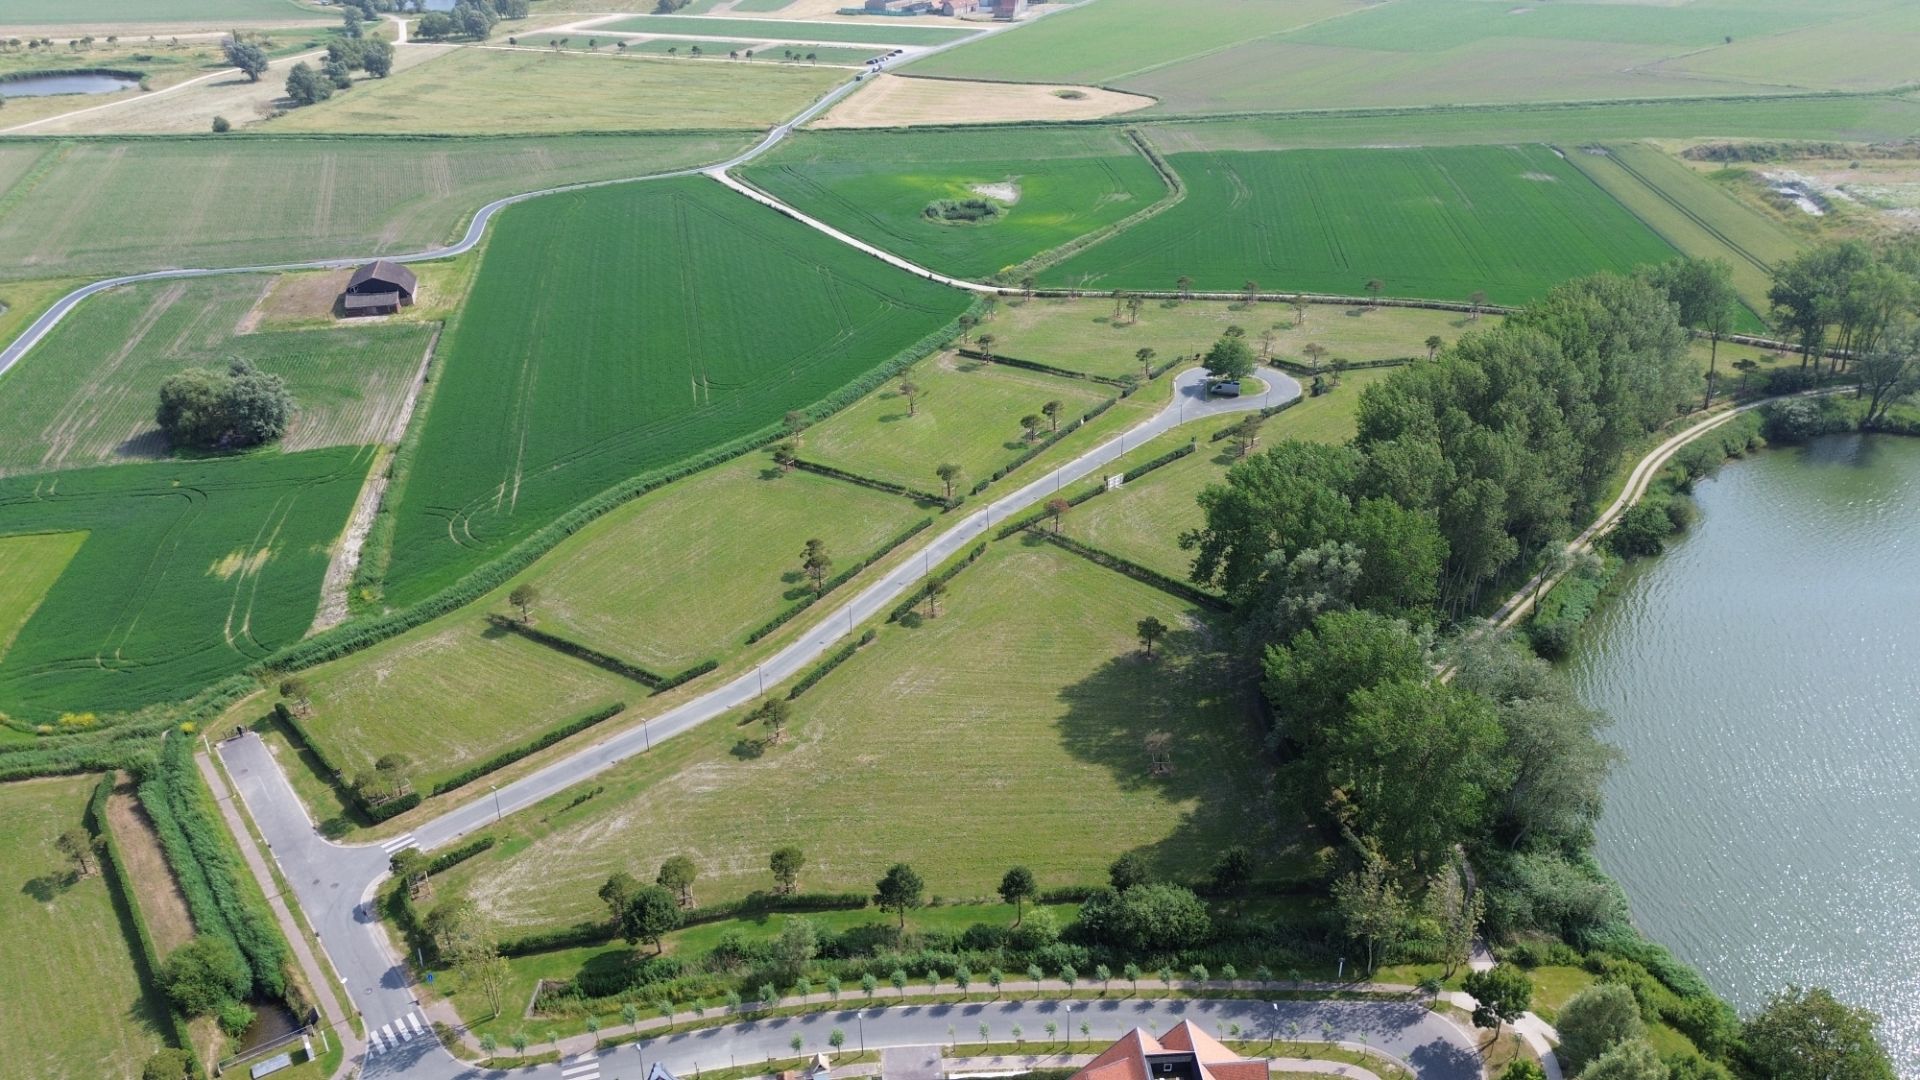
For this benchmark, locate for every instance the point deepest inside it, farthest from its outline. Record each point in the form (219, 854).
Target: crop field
(535, 91)
(1433, 223)
(686, 572)
(1068, 182)
(191, 570)
(968, 413)
(71, 1000)
(1084, 335)
(113, 206)
(1025, 743)
(1695, 216)
(29, 565)
(449, 694)
(628, 328)
(76, 12)
(1859, 53)
(85, 395)
(764, 52)
(878, 32)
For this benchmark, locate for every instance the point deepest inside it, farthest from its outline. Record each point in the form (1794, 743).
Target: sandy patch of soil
(900, 101)
(161, 904)
(297, 299)
(1006, 192)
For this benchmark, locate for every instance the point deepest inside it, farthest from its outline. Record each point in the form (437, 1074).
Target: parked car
(1225, 388)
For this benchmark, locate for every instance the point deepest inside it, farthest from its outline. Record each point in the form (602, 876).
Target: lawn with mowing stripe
(1065, 183)
(536, 91)
(623, 329)
(877, 32)
(191, 570)
(1084, 335)
(1431, 223)
(29, 565)
(71, 1000)
(968, 413)
(685, 573)
(89, 207)
(1010, 729)
(85, 395)
(1143, 520)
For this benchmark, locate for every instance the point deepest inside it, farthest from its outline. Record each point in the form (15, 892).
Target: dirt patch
(901, 101)
(162, 906)
(1540, 177)
(297, 299)
(1006, 192)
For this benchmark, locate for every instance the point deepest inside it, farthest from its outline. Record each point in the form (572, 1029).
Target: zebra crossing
(404, 840)
(583, 1068)
(391, 1036)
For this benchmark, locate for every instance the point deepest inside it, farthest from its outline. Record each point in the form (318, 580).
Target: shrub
(1642, 530)
(221, 125)
(1596, 1020)
(168, 1064)
(205, 975)
(205, 410)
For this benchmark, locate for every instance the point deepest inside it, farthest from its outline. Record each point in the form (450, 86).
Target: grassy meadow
(95, 207)
(85, 395)
(72, 1002)
(29, 565)
(872, 32)
(124, 12)
(628, 328)
(685, 573)
(967, 413)
(1433, 223)
(190, 571)
(1024, 743)
(1069, 182)
(537, 91)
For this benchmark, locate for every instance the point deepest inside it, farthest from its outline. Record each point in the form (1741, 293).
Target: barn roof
(362, 301)
(385, 272)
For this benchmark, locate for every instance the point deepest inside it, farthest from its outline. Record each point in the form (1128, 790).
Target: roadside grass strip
(191, 570)
(874, 32)
(614, 331)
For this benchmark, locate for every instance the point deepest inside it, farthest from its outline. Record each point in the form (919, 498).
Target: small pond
(48, 85)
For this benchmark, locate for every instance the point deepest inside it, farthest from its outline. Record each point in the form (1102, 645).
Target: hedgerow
(905, 606)
(1140, 573)
(875, 483)
(507, 757)
(838, 580)
(825, 667)
(585, 653)
(1035, 365)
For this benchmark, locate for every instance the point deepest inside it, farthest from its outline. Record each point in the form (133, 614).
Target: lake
(1764, 677)
(48, 85)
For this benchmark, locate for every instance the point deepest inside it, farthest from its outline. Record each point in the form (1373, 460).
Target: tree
(1051, 410)
(949, 474)
(795, 948)
(1315, 352)
(1457, 912)
(618, 892)
(1594, 1021)
(1501, 995)
(1232, 871)
(1701, 292)
(1636, 1060)
(816, 563)
(78, 846)
(985, 341)
(207, 410)
(1249, 291)
(1149, 630)
(1433, 345)
(1370, 905)
(1145, 356)
(1128, 871)
(1246, 434)
(1056, 509)
(773, 713)
(1374, 285)
(1888, 372)
(900, 891)
(168, 1063)
(489, 975)
(1747, 366)
(433, 26)
(936, 589)
(785, 455)
(203, 975)
(1159, 918)
(1030, 427)
(222, 125)
(1809, 1035)
(376, 58)
(251, 59)
(306, 86)
(677, 874)
(459, 931)
(1184, 286)
(524, 596)
(911, 391)
(795, 423)
(1229, 359)
(785, 862)
(1476, 302)
(294, 689)
(1017, 888)
(649, 914)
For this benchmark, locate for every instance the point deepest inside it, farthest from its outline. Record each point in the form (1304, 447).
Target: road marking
(581, 1070)
(398, 842)
(414, 1019)
(374, 1045)
(387, 1030)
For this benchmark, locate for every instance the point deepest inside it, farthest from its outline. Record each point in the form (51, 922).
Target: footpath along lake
(1764, 679)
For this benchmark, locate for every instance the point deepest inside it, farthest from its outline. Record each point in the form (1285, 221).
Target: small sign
(1114, 481)
(429, 978)
(271, 1065)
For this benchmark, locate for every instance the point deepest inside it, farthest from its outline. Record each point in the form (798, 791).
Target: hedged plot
(623, 329)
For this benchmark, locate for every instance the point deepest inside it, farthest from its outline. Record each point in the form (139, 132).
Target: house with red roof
(1183, 1053)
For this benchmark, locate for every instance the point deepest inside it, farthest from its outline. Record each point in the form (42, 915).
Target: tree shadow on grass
(47, 888)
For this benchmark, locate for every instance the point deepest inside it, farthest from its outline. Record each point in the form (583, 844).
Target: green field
(685, 573)
(1435, 223)
(29, 565)
(538, 91)
(1070, 182)
(85, 395)
(191, 570)
(124, 12)
(763, 52)
(968, 413)
(623, 329)
(1023, 743)
(71, 1000)
(1084, 335)
(95, 207)
(877, 32)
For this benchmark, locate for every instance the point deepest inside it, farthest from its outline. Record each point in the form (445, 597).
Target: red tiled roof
(1127, 1058)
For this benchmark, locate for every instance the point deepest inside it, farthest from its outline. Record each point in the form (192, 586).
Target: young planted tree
(1030, 426)
(1246, 434)
(816, 564)
(1056, 509)
(784, 456)
(677, 874)
(1501, 995)
(650, 914)
(78, 846)
(1476, 303)
(900, 891)
(935, 590)
(985, 341)
(1229, 359)
(774, 714)
(1185, 287)
(1149, 630)
(1433, 345)
(1051, 410)
(1374, 285)
(785, 862)
(1314, 352)
(1145, 356)
(949, 475)
(911, 391)
(1017, 888)
(524, 596)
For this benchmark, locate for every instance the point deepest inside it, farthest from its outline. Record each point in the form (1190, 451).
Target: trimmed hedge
(1129, 476)
(453, 857)
(1140, 573)
(507, 757)
(1271, 410)
(1037, 448)
(1045, 369)
(820, 671)
(913, 599)
(584, 653)
(887, 486)
(1167, 458)
(688, 675)
(838, 580)
(373, 812)
(1295, 367)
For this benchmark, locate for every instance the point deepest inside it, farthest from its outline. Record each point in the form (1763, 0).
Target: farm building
(381, 287)
(1005, 9)
(1183, 1053)
(922, 7)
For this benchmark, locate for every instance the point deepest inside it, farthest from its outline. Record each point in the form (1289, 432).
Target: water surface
(1764, 676)
(48, 85)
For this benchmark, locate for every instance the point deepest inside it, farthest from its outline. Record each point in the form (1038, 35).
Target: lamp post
(497, 817)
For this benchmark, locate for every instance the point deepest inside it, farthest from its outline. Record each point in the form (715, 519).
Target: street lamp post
(495, 788)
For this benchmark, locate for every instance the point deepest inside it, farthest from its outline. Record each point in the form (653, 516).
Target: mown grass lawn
(71, 999)
(968, 413)
(686, 572)
(29, 565)
(1012, 728)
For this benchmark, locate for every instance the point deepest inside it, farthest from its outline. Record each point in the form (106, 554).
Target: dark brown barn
(381, 287)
